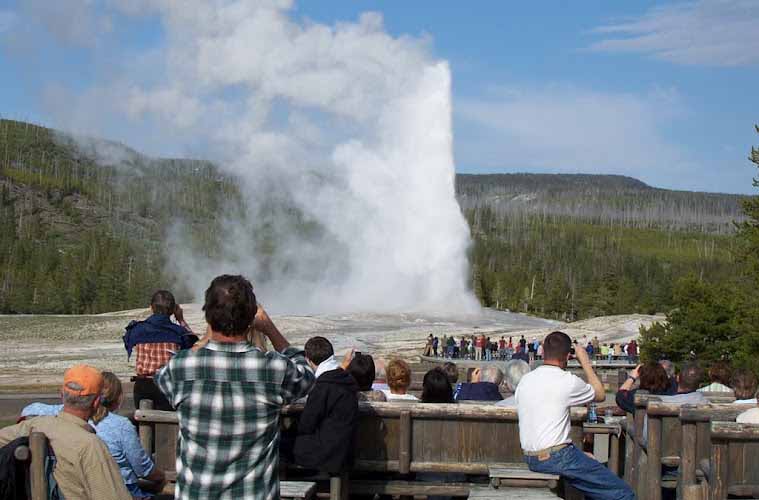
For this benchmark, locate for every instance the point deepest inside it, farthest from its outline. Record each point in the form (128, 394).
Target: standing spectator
(544, 397)
(632, 351)
(363, 371)
(156, 340)
(515, 370)
(435, 343)
(596, 346)
(589, 349)
(428, 346)
(719, 378)
(531, 351)
(84, 468)
(229, 395)
(539, 354)
(744, 385)
(398, 375)
(327, 427)
(617, 351)
(488, 350)
(444, 345)
(483, 387)
(652, 378)
(451, 346)
(436, 387)
(502, 349)
(522, 344)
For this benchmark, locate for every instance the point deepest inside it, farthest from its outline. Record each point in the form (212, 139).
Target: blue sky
(663, 93)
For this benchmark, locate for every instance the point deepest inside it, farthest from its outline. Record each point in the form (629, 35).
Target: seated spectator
(515, 370)
(653, 378)
(483, 387)
(669, 367)
(380, 379)
(748, 417)
(719, 378)
(84, 468)
(327, 427)
(452, 371)
(119, 434)
(156, 340)
(687, 386)
(436, 387)
(744, 385)
(229, 395)
(363, 371)
(544, 397)
(398, 376)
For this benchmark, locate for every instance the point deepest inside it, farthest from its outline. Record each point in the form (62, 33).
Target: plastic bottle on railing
(592, 413)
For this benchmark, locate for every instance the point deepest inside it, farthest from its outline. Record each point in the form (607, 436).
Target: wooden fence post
(146, 429)
(653, 449)
(38, 479)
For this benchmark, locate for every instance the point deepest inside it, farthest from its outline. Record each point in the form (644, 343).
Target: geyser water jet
(349, 126)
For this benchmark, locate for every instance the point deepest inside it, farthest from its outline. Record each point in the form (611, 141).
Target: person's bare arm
(593, 380)
(630, 382)
(204, 341)
(265, 325)
(179, 316)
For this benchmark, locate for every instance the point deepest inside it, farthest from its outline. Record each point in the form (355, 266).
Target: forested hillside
(84, 234)
(84, 231)
(577, 246)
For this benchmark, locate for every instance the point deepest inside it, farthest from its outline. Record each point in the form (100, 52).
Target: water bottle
(592, 414)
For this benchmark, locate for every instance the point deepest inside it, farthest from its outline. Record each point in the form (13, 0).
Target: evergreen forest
(84, 232)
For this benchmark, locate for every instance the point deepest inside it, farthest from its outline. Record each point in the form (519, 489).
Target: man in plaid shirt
(228, 395)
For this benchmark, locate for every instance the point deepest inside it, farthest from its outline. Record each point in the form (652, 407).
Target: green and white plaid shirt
(228, 399)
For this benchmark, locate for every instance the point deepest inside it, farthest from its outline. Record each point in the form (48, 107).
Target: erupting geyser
(345, 123)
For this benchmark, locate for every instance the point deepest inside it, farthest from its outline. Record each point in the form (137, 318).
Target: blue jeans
(583, 473)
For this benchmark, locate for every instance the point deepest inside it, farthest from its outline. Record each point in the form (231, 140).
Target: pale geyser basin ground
(36, 349)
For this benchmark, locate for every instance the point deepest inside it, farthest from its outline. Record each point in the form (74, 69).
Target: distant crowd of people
(227, 389)
(482, 348)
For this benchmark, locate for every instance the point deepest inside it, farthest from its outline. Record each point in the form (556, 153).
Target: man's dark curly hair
(230, 305)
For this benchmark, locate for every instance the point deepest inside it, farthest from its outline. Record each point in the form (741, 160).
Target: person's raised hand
(262, 320)
(635, 373)
(348, 358)
(582, 355)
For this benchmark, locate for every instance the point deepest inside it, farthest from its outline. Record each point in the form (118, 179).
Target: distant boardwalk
(470, 363)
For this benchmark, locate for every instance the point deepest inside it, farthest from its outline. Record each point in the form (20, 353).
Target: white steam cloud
(345, 123)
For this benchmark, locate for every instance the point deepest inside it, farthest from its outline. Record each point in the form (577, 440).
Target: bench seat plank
(515, 493)
(296, 489)
(519, 472)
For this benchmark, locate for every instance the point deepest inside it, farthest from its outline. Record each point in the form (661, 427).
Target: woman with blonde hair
(398, 375)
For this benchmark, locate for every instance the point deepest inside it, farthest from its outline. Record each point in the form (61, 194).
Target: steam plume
(345, 124)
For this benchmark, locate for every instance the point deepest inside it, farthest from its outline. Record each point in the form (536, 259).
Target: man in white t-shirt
(543, 399)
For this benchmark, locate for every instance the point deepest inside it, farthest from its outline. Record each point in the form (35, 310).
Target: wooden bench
(661, 445)
(479, 493)
(733, 465)
(696, 440)
(395, 440)
(513, 475)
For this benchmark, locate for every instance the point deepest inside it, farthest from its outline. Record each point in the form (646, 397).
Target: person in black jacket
(328, 424)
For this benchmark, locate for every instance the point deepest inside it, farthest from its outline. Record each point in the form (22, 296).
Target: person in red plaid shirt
(155, 341)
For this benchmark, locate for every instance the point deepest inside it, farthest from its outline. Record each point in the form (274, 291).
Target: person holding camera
(155, 341)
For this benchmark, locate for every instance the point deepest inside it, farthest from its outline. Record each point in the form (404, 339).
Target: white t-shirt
(749, 417)
(399, 397)
(544, 397)
(745, 401)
